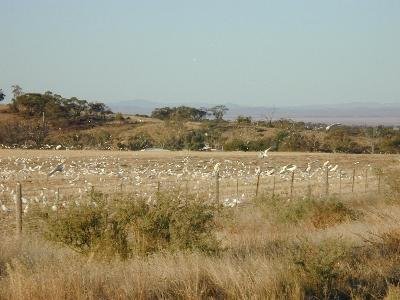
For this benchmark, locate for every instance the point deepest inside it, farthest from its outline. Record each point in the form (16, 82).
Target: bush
(320, 213)
(91, 229)
(140, 141)
(253, 145)
(100, 139)
(320, 268)
(108, 226)
(175, 224)
(236, 145)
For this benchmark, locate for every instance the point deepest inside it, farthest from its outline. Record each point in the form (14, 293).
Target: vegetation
(180, 113)
(168, 250)
(90, 125)
(58, 110)
(111, 225)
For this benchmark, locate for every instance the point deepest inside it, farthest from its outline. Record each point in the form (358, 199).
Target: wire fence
(17, 197)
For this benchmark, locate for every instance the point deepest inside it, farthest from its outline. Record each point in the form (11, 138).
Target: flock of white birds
(43, 179)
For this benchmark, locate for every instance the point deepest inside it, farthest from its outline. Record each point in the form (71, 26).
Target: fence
(229, 191)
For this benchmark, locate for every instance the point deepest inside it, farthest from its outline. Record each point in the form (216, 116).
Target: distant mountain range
(354, 113)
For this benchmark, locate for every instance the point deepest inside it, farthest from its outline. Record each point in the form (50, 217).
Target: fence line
(239, 189)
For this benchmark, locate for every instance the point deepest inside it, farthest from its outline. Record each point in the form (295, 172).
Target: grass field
(337, 246)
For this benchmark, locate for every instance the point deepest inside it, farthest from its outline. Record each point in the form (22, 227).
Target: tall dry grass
(269, 249)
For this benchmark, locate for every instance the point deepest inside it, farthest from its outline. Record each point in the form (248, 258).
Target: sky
(215, 51)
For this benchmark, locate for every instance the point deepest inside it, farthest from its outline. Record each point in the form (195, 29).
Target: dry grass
(262, 257)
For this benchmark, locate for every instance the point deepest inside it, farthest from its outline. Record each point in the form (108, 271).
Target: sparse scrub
(110, 225)
(321, 213)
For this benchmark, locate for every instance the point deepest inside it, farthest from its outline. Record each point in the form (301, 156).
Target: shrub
(176, 224)
(91, 229)
(108, 226)
(392, 178)
(236, 145)
(140, 141)
(320, 268)
(320, 213)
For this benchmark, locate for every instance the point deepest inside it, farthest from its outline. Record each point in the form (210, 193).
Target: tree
(2, 95)
(270, 115)
(243, 120)
(16, 90)
(180, 113)
(218, 111)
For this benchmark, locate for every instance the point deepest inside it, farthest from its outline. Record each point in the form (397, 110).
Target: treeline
(185, 113)
(183, 128)
(36, 115)
(58, 110)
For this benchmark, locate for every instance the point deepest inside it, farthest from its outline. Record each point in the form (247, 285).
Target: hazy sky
(217, 51)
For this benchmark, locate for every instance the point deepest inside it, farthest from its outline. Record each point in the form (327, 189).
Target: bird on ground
(270, 172)
(283, 169)
(58, 168)
(325, 164)
(263, 154)
(333, 169)
(216, 168)
(332, 125)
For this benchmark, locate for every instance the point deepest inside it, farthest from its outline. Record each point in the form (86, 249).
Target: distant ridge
(352, 113)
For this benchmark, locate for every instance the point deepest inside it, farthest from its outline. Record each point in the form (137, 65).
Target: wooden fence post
(258, 183)
(292, 185)
(379, 182)
(217, 187)
(18, 209)
(352, 182)
(273, 187)
(58, 195)
(158, 186)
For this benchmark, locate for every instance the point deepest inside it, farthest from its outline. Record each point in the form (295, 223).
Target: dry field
(345, 245)
(141, 171)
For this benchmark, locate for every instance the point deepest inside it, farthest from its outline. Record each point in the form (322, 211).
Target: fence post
(273, 187)
(292, 185)
(158, 186)
(217, 186)
(58, 195)
(18, 209)
(340, 182)
(366, 180)
(379, 182)
(258, 183)
(327, 183)
(352, 182)
(121, 187)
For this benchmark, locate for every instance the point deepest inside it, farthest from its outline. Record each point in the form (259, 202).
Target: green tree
(180, 113)
(218, 111)
(2, 95)
(16, 90)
